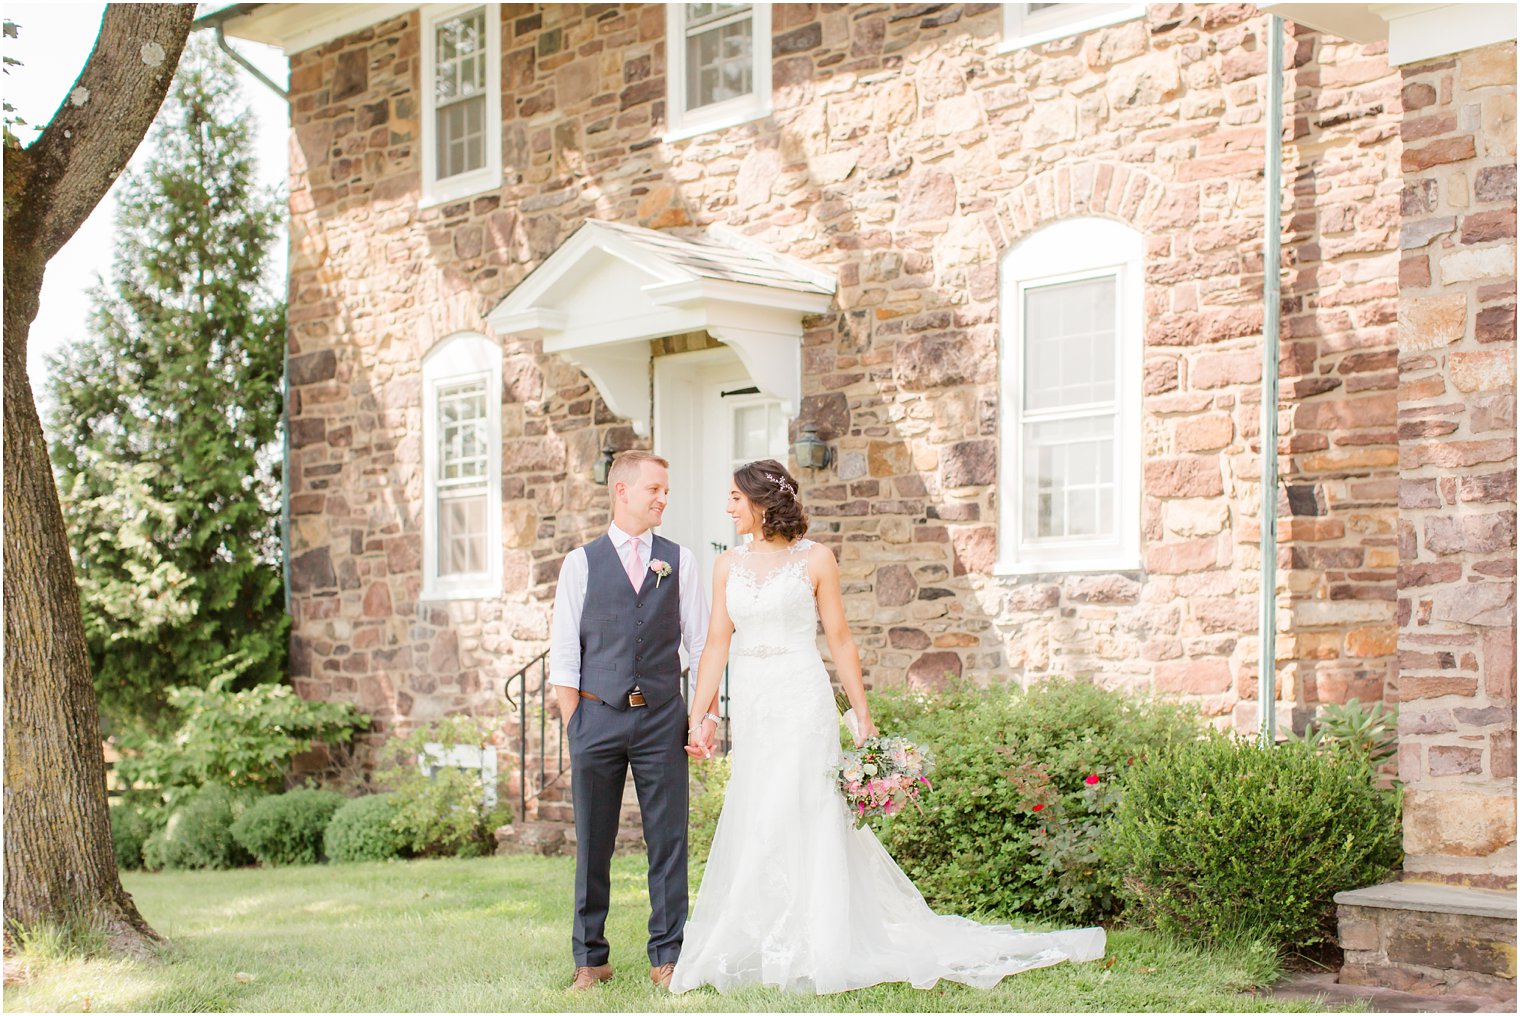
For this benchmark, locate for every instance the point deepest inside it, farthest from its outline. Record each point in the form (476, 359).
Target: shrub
(239, 739)
(1013, 824)
(287, 828)
(364, 829)
(1372, 732)
(130, 829)
(709, 782)
(198, 833)
(1222, 837)
(442, 811)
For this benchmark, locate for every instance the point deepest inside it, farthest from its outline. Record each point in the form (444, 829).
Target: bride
(794, 896)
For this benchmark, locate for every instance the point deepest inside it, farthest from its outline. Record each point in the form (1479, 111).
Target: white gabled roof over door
(299, 26)
(610, 288)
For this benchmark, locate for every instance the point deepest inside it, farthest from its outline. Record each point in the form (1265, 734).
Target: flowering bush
(883, 776)
(242, 740)
(1025, 783)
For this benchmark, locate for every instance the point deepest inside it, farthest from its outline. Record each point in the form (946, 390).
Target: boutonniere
(660, 569)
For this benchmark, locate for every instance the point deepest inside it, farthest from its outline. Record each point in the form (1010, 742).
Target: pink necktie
(635, 565)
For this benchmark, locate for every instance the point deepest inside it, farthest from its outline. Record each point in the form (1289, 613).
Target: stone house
(1005, 261)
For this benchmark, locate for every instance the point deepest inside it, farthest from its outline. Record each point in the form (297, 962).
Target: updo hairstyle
(774, 491)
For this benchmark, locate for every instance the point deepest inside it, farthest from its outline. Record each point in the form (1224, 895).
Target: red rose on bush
(1092, 780)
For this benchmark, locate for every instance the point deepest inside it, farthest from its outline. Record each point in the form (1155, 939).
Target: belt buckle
(636, 699)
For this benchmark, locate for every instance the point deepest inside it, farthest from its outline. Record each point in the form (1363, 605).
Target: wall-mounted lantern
(602, 466)
(810, 451)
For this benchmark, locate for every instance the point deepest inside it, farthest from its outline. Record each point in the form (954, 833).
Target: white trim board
(300, 26)
(1415, 32)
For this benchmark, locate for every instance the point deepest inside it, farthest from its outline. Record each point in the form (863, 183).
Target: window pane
(1070, 351)
(778, 441)
(719, 63)
(459, 47)
(459, 84)
(461, 137)
(463, 437)
(698, 15)
(750, 433)
(462, 535)
(1068, 478)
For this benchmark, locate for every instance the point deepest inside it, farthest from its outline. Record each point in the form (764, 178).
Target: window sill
(688, 130)
(450, 191)
(1074, 27)
(483, 590)
(1021, 569)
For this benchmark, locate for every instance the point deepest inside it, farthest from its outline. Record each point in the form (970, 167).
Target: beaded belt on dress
(763, 651)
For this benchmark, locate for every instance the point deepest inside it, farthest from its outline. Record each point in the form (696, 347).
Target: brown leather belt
(635, 699)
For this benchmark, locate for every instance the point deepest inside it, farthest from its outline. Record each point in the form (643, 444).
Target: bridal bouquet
(882, 776)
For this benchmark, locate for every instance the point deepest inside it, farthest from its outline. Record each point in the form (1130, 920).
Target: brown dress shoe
(587, 978)
(661, 974)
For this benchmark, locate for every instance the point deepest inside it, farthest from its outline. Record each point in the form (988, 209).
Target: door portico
(610, 289)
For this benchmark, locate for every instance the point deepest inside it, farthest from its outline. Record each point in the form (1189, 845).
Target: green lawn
(493, 934)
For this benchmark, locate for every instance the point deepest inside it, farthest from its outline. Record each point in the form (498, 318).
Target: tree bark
(59, 863)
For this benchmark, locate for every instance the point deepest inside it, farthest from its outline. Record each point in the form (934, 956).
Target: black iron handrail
(537, 667)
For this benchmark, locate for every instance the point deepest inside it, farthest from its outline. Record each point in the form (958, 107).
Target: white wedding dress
(794, 896)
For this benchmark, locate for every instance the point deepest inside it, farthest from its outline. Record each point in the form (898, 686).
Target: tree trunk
(59, 863)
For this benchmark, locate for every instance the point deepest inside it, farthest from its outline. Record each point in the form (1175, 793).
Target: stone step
(1429, 938)
(556, 811)
(546, 838)
(557, 838)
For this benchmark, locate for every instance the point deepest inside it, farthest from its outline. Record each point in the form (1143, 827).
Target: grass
(493, 934)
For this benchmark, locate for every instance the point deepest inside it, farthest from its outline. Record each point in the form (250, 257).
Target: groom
(626, 602)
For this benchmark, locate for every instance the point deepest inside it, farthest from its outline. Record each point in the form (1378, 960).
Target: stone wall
(904, 154)
(1456, 606)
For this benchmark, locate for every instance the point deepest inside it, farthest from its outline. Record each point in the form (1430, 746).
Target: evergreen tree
(165, 421)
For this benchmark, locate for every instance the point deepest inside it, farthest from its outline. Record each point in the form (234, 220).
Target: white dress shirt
(570, 598)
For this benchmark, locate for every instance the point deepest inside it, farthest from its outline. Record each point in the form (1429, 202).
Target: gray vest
(631, 638)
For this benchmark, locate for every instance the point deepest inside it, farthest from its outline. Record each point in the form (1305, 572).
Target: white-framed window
(1070, 374)
(719, 71)
(461, 101)
(461, 463)
(1032, 24)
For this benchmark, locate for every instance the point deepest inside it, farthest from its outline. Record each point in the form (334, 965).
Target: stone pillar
(1456, 596)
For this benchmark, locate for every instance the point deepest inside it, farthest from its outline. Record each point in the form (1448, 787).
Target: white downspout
(1266, 693)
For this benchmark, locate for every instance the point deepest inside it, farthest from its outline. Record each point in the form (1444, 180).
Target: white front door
(710, 419)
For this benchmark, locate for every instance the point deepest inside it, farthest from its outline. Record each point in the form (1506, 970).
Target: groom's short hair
(625, 468)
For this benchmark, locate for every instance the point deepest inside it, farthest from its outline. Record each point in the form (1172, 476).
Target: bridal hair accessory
(781, 482)
(660, 569)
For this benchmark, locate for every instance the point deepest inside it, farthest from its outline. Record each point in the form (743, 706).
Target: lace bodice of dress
(770, 600)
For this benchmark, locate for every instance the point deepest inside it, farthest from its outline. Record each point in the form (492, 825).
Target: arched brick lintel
(1113, 190)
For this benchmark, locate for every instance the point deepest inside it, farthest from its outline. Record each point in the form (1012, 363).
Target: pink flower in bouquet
(882, 776)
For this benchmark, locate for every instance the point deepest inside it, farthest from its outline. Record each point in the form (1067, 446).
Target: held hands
(700, 738)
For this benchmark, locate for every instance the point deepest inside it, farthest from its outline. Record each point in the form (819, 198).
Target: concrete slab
(1324, 988)
(1432, 897)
